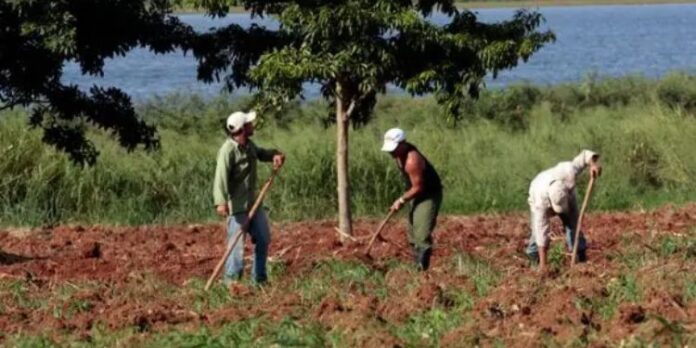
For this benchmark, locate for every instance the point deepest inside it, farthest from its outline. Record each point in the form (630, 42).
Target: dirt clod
(94, 251)
(634, 315)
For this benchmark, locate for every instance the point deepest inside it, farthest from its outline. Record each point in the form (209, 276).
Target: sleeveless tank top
(431, 180)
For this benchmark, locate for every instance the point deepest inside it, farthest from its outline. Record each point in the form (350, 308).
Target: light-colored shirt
(555, 187)
(235, 174)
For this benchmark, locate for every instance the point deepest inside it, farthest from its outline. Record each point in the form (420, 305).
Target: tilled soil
(520, 309)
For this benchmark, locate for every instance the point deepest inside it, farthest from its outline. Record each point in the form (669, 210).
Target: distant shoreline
(481, 4)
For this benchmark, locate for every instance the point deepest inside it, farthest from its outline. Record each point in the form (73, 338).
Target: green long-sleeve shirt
(235, 175)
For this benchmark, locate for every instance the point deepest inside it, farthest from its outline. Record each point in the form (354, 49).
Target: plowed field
(143, 286)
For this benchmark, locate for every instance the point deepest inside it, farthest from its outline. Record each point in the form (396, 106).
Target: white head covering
(237, 120)
(392, 138)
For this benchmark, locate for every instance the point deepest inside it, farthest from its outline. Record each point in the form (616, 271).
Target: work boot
(533, 258)
(423, 259)
(582, 256)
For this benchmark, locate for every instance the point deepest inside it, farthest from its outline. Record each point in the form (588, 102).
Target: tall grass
(644, 130)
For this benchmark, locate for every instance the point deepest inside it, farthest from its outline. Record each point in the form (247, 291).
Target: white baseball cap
(237, 120)
(392, 138)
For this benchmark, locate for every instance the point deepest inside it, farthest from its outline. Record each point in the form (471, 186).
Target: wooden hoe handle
(379, 230)
(579, 224)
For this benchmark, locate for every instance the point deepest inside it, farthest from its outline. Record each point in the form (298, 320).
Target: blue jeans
(261, 237)
(570, 221)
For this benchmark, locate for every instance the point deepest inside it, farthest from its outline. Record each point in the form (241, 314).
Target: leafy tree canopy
(352, 48)
(361, 46)
(37, 37)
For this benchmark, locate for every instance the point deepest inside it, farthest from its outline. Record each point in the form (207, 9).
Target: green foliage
(66, 305)
(39, 37)
(463, 300)
(39, 186)
(213, 6)
(329, 275)
(668, 246)
(509, 107)
(624, 288)
(286, 333)
(557, 256)
(426, 329)
(354, 48)
(678, 91)
(216, 297)
(618, 290)
(634, 258)
(690, 289)
(17, 291)
(645, 163)
(40, 341)
(481, 273)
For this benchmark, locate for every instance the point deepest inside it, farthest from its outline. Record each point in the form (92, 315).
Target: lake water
(650, 40)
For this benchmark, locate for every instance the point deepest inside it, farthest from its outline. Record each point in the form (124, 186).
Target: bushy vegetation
(196, 5)
(643, 128)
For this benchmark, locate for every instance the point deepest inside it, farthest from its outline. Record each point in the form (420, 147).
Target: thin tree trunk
(345, 223)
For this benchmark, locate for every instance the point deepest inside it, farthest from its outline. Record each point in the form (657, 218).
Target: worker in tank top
(423, 193)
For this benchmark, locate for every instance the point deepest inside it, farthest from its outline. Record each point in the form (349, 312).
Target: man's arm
(220, 189)
(415, 169)
(268, 155)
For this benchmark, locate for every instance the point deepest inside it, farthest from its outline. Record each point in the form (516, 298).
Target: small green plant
(426, 329)
(20, 296)
(276, 269)
(621, 289)
(32, 341)
(690, 289)
(217, 296)
(289, 333)
(338, 276)
(668, 245)
(482, 274)
(463, 300)
(624, 288)
(557, 256)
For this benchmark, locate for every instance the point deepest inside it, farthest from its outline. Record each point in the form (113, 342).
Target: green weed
(557, 256)
(249, 333)
(481, 273)
(426, 329)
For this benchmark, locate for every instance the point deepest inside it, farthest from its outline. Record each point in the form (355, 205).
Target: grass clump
(481, 273)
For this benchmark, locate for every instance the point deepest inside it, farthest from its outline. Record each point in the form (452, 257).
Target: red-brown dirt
(128, 257)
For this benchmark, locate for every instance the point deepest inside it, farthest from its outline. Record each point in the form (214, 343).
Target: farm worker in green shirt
(423, 191)
(234, 191)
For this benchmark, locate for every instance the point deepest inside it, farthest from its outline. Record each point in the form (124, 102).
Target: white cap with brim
(237, 120)
(392, 138)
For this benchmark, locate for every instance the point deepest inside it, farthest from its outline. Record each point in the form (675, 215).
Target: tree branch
(351, 108)
(10, 106)
(354, 102)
